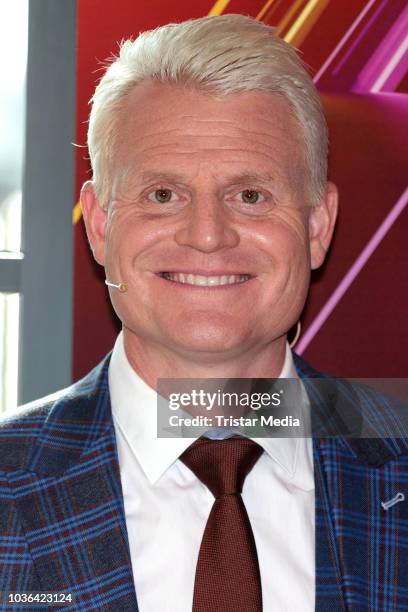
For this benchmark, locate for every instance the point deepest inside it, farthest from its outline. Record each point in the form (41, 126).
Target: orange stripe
(285, 21)
(264, 10)
(76, 213)
(219, 7)
(305, 22)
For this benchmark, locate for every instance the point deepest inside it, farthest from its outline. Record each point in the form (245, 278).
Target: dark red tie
(227, 575)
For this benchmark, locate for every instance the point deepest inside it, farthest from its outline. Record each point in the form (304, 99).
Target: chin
(214, 335)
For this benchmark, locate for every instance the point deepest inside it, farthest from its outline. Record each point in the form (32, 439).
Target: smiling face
(210, 225)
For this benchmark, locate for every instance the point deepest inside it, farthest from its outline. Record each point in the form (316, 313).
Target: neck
(152, 361)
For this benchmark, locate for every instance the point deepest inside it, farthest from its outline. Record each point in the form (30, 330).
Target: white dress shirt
(167, 506)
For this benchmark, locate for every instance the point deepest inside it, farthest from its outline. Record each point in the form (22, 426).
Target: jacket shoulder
(373, 423)
(22, 428)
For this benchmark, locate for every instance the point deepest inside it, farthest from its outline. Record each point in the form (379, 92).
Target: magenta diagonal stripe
(385, 59)
(359, 37)
(343, 41)
(353, 272)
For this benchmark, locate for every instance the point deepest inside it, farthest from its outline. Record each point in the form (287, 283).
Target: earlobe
(322, 220)
(95, 218)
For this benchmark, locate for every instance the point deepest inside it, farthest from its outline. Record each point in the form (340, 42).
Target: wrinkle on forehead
(177, 125)
(192, 125)
(254, 128)
(170, 104)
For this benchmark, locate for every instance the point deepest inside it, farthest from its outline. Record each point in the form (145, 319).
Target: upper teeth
(205, 281)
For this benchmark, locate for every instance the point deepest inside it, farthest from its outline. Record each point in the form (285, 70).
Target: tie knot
(222, 465)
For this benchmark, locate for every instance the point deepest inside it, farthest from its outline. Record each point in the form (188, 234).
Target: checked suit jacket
(62, 523)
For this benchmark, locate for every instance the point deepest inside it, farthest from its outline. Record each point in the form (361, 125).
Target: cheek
(286, 244)
(128, 237)
(295, 247)
(287, 279)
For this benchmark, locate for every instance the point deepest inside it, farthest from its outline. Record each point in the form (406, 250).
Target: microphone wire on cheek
(122, 287)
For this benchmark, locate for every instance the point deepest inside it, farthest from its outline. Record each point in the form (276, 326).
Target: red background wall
(366, 333)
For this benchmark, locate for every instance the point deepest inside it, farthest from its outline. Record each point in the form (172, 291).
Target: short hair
(219, 55)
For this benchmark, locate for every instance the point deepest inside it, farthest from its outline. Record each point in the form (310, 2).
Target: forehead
(165, 123)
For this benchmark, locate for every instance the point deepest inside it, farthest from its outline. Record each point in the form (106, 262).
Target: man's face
(210, 225)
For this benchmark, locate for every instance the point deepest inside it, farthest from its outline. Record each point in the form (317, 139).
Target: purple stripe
(343, 41)
(353, 272)
(392, 80)
(359, 37)
(387, 50)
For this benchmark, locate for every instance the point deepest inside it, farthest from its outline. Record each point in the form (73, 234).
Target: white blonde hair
(217, 55)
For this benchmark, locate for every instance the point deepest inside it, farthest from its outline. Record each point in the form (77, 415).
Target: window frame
(43, 273)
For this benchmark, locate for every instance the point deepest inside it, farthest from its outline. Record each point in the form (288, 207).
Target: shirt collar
(134, 410)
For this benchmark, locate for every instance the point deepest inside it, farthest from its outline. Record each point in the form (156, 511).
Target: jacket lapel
(359, 563)
(330, 588)
(71, 501)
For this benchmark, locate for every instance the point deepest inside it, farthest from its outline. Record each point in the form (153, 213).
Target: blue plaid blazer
(62, 525)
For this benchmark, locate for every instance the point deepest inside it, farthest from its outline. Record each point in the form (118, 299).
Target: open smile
(202, 280)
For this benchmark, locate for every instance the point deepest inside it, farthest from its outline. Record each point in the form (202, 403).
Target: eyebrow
(251, 178)
(148, 177)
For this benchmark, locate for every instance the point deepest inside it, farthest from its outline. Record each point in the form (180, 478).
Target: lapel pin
(388, 504)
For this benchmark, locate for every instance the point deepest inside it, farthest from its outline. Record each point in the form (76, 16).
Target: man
(208, 208)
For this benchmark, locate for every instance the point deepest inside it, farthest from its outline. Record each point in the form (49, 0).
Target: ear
(322, 220)
(95, 218)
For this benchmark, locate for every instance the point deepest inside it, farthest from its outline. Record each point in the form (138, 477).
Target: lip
(201, 272)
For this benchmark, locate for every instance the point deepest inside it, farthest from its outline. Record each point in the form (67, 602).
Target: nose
(207, 227)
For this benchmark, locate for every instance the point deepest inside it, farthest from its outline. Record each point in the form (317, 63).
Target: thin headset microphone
(121, 286)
